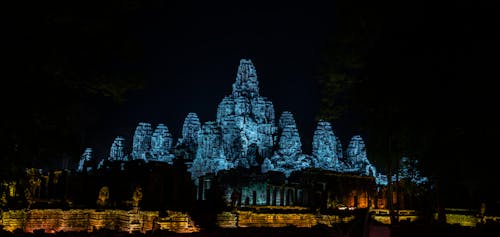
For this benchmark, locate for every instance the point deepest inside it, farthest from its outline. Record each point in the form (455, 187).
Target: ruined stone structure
(276, 219)
(245, 134)
(245, 158)
(84, 160)
(56, 220)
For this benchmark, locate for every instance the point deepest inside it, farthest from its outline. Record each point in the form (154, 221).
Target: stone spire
(142, 141)
(289, 139)
(161, 142)
(289, 155)
(325, 148)
(247, 120)
(357, 160)
(84, 159)
(117, 152)
(286, 119)
(190, 131)
(246, 80)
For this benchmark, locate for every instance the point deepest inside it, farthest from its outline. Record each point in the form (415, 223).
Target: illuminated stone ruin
(288, 156)
(103, 197)
(117, 152)
(209, 155)
(326, 148)
(53, 221)
(246, 84)
(161, 143)
(246, 120)
(85, 159)
(190, 130)
(142, 142)
(357, 161)
(245, 134)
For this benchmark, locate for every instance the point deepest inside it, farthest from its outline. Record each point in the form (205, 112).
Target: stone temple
(248, 142)
(248, 157)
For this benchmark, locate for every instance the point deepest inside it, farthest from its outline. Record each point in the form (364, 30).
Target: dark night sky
(192, 54)
(188, 54)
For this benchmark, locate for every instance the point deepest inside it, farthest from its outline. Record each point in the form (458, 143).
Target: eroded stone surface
(357, 161)
(326, 148)
(245, 134)
(142, 142)
(117, 152)
(85, 159)
(161, 143)
(190, 130)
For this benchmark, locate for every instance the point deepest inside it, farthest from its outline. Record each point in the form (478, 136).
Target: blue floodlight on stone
(117, 152)
(161, 143)
(245, 134)
(190, 130)
(325, 148)
(357, 160)
(288, 157)
(142, 142)
(84, 159)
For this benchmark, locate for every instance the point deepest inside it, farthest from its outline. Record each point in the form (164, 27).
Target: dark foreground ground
(341, 231)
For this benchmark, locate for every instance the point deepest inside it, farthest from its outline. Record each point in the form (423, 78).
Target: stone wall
(382, 216)
(14, 219)
(178, 222)
(255, 219)
(54, 220)
(462, 217)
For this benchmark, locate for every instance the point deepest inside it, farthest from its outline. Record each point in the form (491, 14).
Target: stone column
(268, 196)
(275, 192)
(254, 198)
(282, 196)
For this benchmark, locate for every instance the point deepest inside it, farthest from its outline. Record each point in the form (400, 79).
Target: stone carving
(289, 155)
(32, 190)
(246, 80)
(142, 142)
(357, 161)
(325, 148)
(161, 143)
(244, 134)
(117, 152)
(137, 196)
(85, 159)
(247, 119)
(77, 222)
(190, 131)
(246, 124)
(103, 197)
(209, 156)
